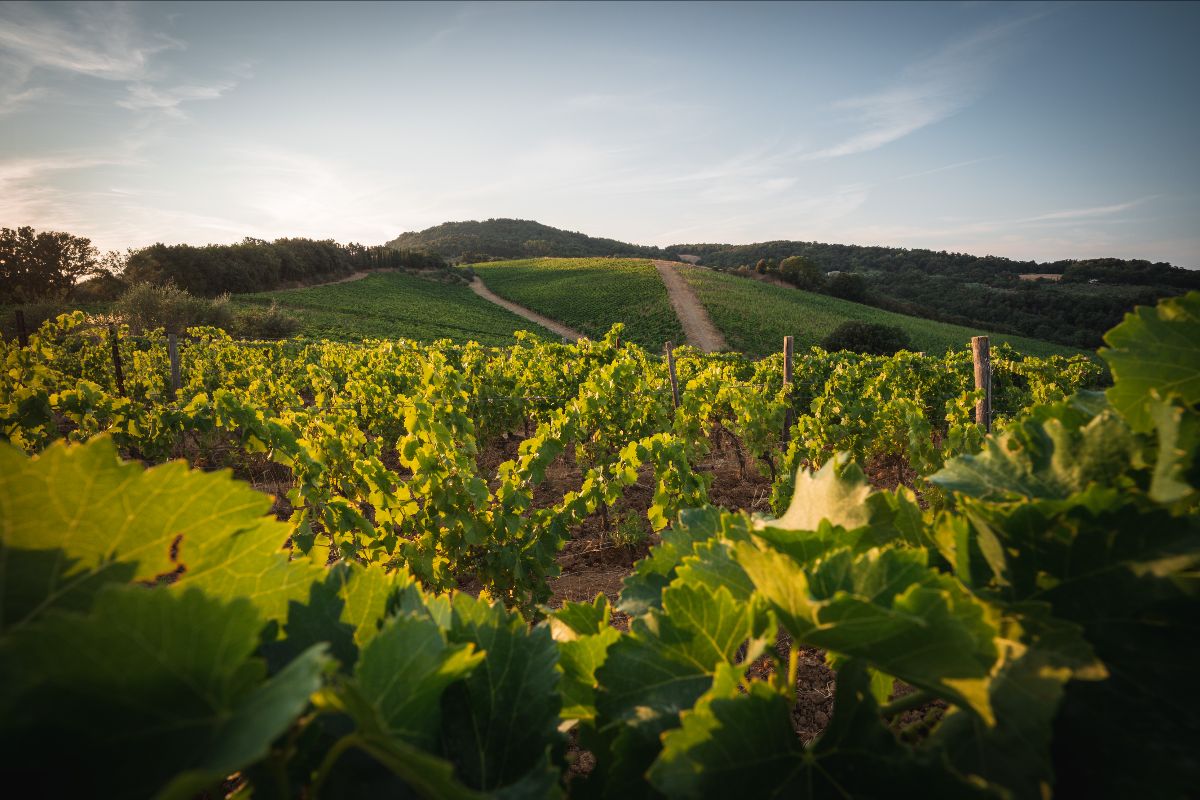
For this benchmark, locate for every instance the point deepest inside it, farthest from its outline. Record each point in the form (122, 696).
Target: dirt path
(521, 311)
(697, 326)
(353, 276)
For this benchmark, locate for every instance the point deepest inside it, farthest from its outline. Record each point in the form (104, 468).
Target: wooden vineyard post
(981, 353)
(670, 351)
(173, 354)
(787, 382)
(22, 333)
(116, 357)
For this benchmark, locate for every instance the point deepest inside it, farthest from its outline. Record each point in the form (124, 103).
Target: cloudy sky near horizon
(1025, 130)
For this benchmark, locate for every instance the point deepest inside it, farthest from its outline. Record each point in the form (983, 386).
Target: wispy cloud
(1086, 213)
(945, 168)
(100, 40)
(929, 91)
(103, 41)
(143, 96)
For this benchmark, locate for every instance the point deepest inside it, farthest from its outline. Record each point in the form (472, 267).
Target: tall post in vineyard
(116, 357)
(981, 353)
(787, 384)
(173, 353)
(669, 348)
(22, 333)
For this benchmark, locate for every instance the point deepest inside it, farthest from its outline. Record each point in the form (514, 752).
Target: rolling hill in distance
(1072, 305)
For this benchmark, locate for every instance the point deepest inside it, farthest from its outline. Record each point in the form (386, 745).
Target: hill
(590, 294)
(1072, 304)
(390, 305)
(755, 316)
(513, 238)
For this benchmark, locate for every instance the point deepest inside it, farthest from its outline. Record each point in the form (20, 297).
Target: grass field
(392, 305)
(755, 316)
(590, 294)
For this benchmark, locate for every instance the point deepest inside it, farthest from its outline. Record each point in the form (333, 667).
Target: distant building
(1040, 276)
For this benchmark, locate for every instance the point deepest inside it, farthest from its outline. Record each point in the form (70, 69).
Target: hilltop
(513, 238)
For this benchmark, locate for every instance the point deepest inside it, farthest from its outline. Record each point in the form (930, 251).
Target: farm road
(480, 289)
(697, 326)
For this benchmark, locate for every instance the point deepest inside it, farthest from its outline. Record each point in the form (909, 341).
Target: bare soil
(478, 287)
(697, 325)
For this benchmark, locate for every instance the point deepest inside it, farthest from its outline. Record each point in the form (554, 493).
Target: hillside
(755, 316)
(1074, 307)
(590, 294)
(391, 305)
(512, 238)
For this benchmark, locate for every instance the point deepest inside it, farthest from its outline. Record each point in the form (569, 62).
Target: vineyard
(303, 573)
(754, 316)
(390, 304)
(590, 294)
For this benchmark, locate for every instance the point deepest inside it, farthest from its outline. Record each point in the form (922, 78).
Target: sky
(1033, 131)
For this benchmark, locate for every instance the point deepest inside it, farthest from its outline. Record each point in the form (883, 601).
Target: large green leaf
(1057, 451)
(583, 635)
(154, 693)
(642, 590)
(399, 680)
(670, 656)
(743, 745)
(345, 609)
(1177, 468)
(1155, 352)
(501, 722)
(75, 518)
(837, 492)
(1042, 655)
(888, 608)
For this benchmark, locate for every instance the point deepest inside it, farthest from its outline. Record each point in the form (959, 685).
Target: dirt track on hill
(478, 287)
(697, 326)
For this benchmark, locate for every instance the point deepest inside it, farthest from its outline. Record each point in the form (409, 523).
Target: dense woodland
(985, 291)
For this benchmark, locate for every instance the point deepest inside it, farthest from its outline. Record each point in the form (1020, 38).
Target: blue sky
(1024, 130)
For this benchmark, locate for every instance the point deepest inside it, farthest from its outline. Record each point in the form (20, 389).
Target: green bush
(271, 322)
(868, 338)
(146, 306)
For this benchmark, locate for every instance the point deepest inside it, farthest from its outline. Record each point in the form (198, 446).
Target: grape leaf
(154, 693)
(1059, 450)
(888, 608)
(583, 635)
(75, 518)
(1155, 351)
(743, 745)
(502, 720)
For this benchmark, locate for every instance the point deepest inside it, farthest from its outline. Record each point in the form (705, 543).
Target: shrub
(868, 338)
(271, 322)
(146, 306)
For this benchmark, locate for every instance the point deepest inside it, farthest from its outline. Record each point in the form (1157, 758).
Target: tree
(43, 264)
(848, 286)
(802, 273)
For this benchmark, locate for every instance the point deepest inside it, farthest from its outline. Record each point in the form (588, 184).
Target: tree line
(1091, 296)
(46, 265)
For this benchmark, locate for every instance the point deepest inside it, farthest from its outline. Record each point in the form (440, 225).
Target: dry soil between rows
(697, 325)
(480, 289)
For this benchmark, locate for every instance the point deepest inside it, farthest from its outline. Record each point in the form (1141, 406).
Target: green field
(590, 294)
(392, 305)
(755, 316)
